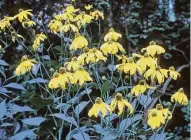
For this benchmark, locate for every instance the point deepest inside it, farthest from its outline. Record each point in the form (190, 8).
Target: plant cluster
(86, 88)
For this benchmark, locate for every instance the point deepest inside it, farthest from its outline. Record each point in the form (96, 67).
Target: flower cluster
(73, 19)
(117, 104)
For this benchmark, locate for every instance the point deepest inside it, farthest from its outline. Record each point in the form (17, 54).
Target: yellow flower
(23, 14)
(97, 14)
(91, 56)
(28, 23)
(112, 48)
(79, 42)
(88, 7)
(145, 61)
(25, 65)
(129, 67)
(54, 26)
(156, 73)
(165, 112)
(82, 76)
(173, 73)
(112, 35)
(71, 9)
(73, 65)
(54, 82)
(66, 77)
(122, 57)
(83, 19)
(120, 103)
(5, 23)
(69, 14)
(61, 79)
(67, 27)
(98, 107)
(140, 88)
(179, 97)
(155, 118)
(38, 39)
(153, 49)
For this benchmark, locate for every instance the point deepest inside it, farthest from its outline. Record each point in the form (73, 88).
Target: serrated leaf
(68, 119)
(3, 63)
(79, 108)
(15, 86)
(25, 134)
(129, 121)
(36, 121)
(37, 80)
(3, 109)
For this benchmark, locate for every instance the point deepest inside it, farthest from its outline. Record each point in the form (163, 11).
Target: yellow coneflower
(54, 82)
(153, 49)
(71, 9)
(91, 56)
(83, 19)
(88, 7)
(25, 65)
(38, 39)
(123, 58)
(5, 23)
(157, 116)
(119, 103)
(66, 76)
(79, 42)
(99, 107)
(23, 15)
(82, 76)
(140, 88)
(145, 61)
(179, 97)
(73, 65)
(68, 27)
(129, 67)
(156, 73)
(112, 35)
(173, 73)
(112, 48)
(97, 14)
(54, 26)
(28, 23)
(165, 112)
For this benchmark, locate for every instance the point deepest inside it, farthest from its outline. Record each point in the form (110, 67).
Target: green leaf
(106, 86)
(40, 102)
